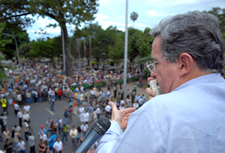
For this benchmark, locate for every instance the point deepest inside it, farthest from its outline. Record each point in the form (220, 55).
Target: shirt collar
(209, 78)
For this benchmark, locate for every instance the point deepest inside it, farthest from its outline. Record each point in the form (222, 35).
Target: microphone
(99, 129)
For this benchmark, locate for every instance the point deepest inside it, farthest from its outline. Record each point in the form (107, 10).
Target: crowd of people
(36, 83)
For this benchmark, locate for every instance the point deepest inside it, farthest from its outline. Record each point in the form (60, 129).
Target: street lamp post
(17, 51)
(90, 51)
(78, 51)
(103, 54)
(125, 54)
(63, 48)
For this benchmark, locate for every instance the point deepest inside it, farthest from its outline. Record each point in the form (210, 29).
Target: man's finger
(112, 105)
(150, 92)
(128, 115)
(150, 98)
(129, 110)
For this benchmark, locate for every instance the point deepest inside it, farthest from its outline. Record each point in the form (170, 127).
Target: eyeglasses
(151, 66)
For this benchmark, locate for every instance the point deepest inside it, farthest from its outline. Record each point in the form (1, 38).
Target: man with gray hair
(188, 61)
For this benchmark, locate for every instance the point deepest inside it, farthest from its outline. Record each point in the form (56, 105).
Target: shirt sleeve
(109, 139)
(141, 134)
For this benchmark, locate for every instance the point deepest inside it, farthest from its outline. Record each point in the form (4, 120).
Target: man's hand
(150, 91)
(121, 116)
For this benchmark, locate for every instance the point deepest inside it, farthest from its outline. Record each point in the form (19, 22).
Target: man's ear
(186, 63)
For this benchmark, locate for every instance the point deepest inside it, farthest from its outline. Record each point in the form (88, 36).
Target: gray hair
(195, 33)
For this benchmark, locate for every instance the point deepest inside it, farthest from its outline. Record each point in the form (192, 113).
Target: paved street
(40, 112)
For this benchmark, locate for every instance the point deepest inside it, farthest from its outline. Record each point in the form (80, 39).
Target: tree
(62, 11)
(105, 38)
(24, 49)
(66, 12)
(116, 52)
(139, 44)
(223, 34)
(133, 16)
(49, 48)
(19, 34)
(3, 43)
(145, 47)
(91, 30)
(134, 41)
(220, 13)
(11, 12)
(100, 39)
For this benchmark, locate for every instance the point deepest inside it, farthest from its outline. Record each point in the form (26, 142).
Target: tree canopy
(133, 16)
(62, 11)
(3, 43)
(220, 13)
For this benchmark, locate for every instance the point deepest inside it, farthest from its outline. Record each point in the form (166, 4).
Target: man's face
(165, 73)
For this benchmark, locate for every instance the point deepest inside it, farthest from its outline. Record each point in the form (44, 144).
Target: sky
(112, 12)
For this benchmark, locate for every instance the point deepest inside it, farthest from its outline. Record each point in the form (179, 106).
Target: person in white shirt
(84, 129)
(73, 134)
(43, 137)
(31, 140)
(82, 89)
(21, 145)
(86, 116)
(20, 115)
(95, 115)
(98, 111)
(92, 92)
(135, 105)
(49, 94)
(16, 108)
(26, 108)
(107, 110)
(121, 107)
(100, 93)
(121, 102)
(2, 95)
(53, 94)
(58, 146)
(108, 93)
(81, 110)
(141, 101)
(4, 120)
(19, 98)
(26, 117)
